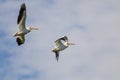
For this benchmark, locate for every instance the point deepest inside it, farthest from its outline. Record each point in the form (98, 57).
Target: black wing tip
(21, 11)
(23, 5)
(19, 44)
(64, 38)
(18, 41)
(57, 56)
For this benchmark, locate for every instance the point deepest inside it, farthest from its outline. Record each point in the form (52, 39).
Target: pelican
(61, 44)
(21, 26)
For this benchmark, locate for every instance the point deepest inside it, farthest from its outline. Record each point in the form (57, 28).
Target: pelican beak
(69, 43)
(34, 29)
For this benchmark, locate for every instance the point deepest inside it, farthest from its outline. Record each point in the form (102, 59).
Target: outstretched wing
(57, 55)
(22, 17)
(20, 40)
(59, 41)
(64, 38)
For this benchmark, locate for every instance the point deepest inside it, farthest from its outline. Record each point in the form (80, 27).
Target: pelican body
(21, 26)
(61, 44)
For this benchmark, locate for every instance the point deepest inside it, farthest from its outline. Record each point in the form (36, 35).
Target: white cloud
(92, 25)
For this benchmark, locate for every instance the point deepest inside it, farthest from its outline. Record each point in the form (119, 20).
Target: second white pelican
(21, 25)
(61, 44)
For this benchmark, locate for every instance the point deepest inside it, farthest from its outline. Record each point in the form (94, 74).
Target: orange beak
(70, 43)
(34, 29)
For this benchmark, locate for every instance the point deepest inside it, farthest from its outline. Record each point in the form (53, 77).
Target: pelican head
(15, 34)
(54, 50)
(31, 28)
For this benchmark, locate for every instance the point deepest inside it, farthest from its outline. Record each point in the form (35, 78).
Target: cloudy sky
(93, 25)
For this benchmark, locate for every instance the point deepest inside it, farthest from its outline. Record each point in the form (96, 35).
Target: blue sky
(93, 25)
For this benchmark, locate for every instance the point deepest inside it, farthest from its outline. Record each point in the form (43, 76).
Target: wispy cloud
(92, 25)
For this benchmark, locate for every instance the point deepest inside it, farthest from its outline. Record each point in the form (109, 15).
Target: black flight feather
(19, 42)
(22, 9)
(57, 55)
(64, 38)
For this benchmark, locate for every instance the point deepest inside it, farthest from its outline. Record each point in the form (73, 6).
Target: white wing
(58, 42)
(22, 17)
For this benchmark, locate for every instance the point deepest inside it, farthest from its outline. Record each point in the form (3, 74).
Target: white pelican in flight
(61, 44)
(21, 25)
